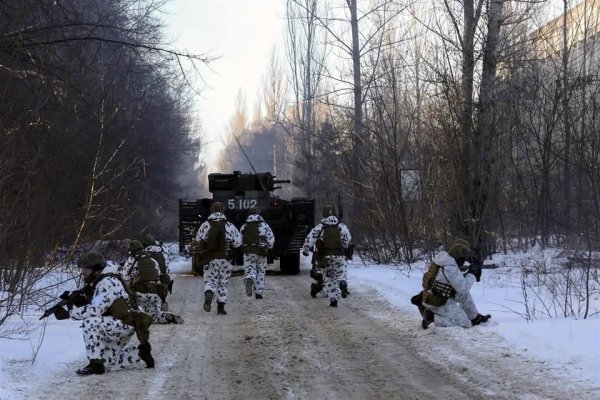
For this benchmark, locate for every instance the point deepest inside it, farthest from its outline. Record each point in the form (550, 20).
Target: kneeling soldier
(109, 320)
(144, 280)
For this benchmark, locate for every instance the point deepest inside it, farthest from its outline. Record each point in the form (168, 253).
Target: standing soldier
(217, 237)
(154, 249)
(108, 320)
(331, 238)
(258, 239)
(144, 274)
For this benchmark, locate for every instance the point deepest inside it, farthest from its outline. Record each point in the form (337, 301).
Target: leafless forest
(438, 118)
(95, 135)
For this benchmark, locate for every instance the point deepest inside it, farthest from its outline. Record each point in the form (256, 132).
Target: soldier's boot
(145, 353)
(221, 309)
(258, 296)
(173, 319)
(164, 306)
(249, 283)
(344, 289)
(333, 303)
(428, 317)
(480, 319)
(208, 296)
(95, 367)
(314, 289)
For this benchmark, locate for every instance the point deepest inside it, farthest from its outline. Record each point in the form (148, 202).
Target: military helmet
(328, 210)
(217, 206)
(135, 245)
(93, 260)
(459, 249)
(253, 210)
(148, 240)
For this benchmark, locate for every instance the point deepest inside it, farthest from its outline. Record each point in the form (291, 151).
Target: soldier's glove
(60, 313)
(78, 299)
(305, 253)
(475, 270)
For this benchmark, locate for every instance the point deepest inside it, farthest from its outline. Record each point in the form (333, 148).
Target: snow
(569, 345)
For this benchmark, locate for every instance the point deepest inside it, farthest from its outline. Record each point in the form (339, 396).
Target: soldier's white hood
(443, 259)
(217, 216)
(331, 220)
(254, 218)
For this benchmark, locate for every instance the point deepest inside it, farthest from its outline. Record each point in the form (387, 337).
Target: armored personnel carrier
(290, 220)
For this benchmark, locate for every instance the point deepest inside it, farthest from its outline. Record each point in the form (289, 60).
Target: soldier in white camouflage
(446, 289)
(160, 254)
(258, 239)
(143, 274)
(217, 237)
(331, 239)
(107, 320)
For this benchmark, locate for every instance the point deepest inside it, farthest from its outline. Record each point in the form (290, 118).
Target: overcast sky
(242, 33)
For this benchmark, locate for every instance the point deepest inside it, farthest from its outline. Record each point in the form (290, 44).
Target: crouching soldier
(144, 278)
(154, 249)
(446, 289)
(331, 238)
(109, 319)
(258, 239)
(216, 239)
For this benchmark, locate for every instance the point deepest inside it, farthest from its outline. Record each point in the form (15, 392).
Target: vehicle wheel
(290, 263)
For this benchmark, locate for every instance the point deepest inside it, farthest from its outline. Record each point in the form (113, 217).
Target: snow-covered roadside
(568, 347)
(61, 344)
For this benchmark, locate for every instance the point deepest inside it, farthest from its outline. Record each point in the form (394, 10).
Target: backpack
(216, 239)
(332, 241)
(251, 239)
(251, 233)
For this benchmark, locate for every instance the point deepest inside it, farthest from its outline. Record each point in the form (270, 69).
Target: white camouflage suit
(218, 271)
(106, 337)
(460, 310)
(150, 303)
(255, 266)
(334, 271)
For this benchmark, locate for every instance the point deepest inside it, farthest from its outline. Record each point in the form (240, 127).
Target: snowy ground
(561, 348)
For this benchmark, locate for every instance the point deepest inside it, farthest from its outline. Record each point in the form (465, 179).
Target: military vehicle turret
(290, 220)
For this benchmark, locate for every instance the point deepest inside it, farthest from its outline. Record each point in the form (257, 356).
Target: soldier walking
(258, 239)
(331, 239)
(217, 237)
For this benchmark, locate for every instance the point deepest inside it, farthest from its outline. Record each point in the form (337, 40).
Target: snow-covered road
(290, 346)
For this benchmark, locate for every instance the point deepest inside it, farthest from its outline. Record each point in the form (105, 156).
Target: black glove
(64, 295)
(60, 313)
(78, 299)
(475, 270)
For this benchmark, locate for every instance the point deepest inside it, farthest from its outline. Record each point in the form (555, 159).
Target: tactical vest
(435, 293)
(331, 242)
(216, 240)
(159, 257)
(251, 239)
(147, 269)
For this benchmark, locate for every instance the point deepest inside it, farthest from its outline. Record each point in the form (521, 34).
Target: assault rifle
(75, 298)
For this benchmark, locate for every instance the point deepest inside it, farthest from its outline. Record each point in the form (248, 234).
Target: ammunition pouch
(256, 249)
(141, 322)
(438, 294)
(159, 288)
(442, 289)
